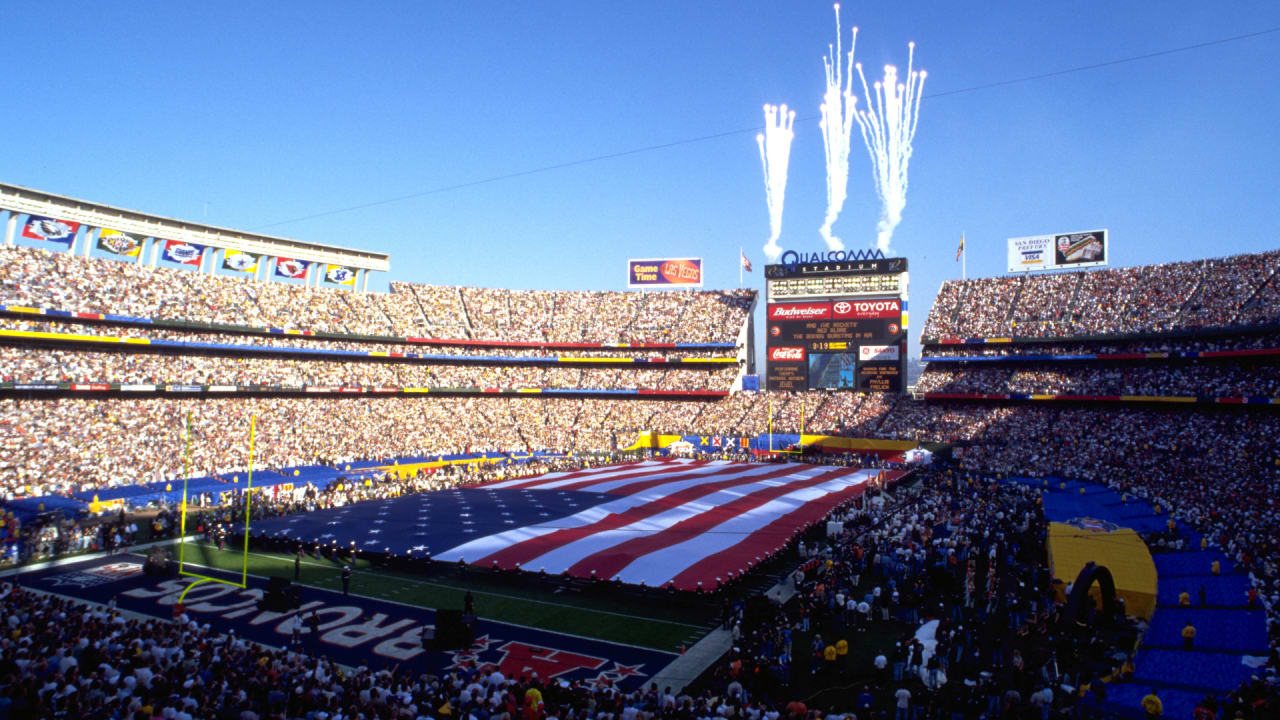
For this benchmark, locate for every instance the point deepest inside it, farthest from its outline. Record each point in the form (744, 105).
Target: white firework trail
(775, 154)
(838, 103)
(888, 126)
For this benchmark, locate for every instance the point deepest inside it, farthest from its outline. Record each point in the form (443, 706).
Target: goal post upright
(248, 497)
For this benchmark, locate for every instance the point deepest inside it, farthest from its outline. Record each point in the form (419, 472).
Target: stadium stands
(1229, 292)
(37, 278)
(1213, 466)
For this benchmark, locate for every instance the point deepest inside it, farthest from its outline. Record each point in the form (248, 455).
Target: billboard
(665, 273)
(838, 323)
(1061, 251)
(843, 344)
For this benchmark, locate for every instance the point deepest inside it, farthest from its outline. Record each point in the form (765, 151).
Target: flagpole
(964, 257)
(740, 256)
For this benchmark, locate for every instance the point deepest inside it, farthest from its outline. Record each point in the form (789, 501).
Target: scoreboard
(837, 325)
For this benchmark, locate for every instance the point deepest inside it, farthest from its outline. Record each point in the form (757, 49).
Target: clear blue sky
(274, 111)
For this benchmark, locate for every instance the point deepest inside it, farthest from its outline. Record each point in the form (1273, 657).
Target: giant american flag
(677, 522)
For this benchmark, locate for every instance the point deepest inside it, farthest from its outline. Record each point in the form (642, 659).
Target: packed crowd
(1217, 470)
(1223, 292)
(1210, 379)
(960, 551)
(38, 278)
(65, 659)
(307, 343)
(1165, 344)
(27, 364)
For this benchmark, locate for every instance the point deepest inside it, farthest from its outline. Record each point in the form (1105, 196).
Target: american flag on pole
(683, 523)
(746, 264)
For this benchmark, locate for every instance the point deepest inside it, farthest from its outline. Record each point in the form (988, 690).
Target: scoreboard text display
(822, 336)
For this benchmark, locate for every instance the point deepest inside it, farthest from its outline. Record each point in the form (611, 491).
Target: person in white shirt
(904, 704)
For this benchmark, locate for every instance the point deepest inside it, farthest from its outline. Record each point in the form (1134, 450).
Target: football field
(645, 622)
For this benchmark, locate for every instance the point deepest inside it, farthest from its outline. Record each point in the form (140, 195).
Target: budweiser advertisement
(800, 311)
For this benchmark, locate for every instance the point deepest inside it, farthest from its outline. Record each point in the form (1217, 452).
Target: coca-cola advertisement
(786, 354)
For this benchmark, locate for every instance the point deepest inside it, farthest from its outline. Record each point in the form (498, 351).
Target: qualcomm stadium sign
(791, 258)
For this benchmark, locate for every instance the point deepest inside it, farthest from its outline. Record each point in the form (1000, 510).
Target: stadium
(619, 513)
(324, 394)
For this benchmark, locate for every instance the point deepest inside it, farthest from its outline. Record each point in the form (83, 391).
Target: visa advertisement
(1061, 251)
(665, 273)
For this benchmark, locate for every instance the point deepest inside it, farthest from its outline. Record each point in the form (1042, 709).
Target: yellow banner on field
(1082, 540)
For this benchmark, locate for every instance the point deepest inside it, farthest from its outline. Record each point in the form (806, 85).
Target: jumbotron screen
(837, 325)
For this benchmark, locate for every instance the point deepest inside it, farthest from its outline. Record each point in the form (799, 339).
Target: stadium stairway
(1228, 632)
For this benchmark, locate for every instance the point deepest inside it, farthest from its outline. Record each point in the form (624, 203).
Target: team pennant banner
(340, 274)
(240, 261)
(289, 268)
(50, 229)
(183, 253)
(119, 243)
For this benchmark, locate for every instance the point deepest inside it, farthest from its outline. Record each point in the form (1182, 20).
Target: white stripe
(485, 546)
(709, 468)
(562, 558)
(679, 467)
(662, 565)
(584, 475)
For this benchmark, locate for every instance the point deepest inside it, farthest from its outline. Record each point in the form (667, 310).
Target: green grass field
(646, 622)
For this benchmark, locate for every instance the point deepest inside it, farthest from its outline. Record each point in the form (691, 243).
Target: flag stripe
(587, 472)
(658, 516)
(577, 483)
(706, 564)
(608, 563)
(623, 511)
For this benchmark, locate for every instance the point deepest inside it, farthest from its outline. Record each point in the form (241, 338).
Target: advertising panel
(664, 273)
(800, 311)
(1061, 251)
(867, 353)
(839, 344)
(880, 376)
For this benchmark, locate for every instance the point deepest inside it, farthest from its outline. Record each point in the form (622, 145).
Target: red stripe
(610, 562)
(529, 549)
(763, 542)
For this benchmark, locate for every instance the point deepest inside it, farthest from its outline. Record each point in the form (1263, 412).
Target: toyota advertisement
(853, 344)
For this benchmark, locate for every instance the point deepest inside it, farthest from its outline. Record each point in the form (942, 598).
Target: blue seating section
(1126, 700)
(1226, 630)
(1209, 672)
(1221, 591)
(1236, 631)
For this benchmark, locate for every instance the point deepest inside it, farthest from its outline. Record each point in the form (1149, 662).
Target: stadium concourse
(1155, 383)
